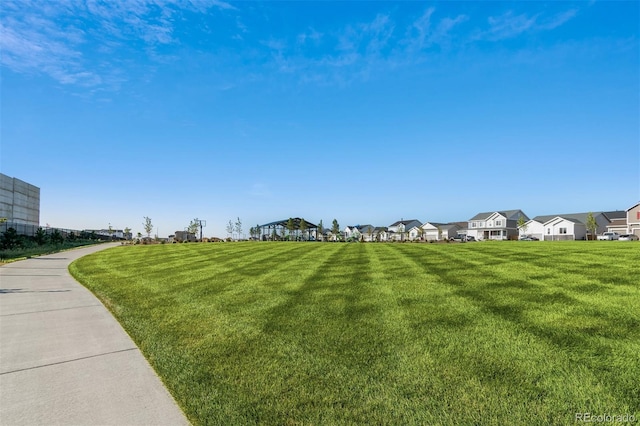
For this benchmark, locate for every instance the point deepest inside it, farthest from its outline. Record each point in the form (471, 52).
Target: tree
(230, 229)
(592, 225)
(56, 237)
(127, 232)
(257, 231)
(110, 232)
(335, 229)
(420, 233)
(193, 227)
(238, 227)
(10, 239)
(40, 237)
(148, 226)
(522, 224)
(290, 226)
(370, 233)
(303, 227)
(320, 231)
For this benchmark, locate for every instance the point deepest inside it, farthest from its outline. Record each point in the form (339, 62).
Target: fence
(30, 230)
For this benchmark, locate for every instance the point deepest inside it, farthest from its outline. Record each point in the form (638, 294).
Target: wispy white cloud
(509, 25)
(52, 38)
(557, 20)
(425, 32)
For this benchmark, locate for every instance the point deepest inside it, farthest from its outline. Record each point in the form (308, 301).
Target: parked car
(528, 238)
(628, 237)
(608, 236)
(471, 238)
(460, 238)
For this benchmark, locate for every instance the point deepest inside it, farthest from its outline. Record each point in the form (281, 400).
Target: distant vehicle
(628, 237)
(608, 236)
(528, 238)
(471, 238)
(460, 238)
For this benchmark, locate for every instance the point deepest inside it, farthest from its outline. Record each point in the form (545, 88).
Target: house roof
(365, 228)
(634, 206)
(617, 214)
(434, 223)
(405, 222)
(573, 217)
(448, 226)
(509, 214)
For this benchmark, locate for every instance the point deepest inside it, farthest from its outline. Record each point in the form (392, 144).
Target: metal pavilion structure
(278, 230)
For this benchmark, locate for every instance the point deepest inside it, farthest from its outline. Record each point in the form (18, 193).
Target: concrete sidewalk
(64, 359)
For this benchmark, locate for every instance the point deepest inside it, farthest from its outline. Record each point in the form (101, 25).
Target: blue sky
(366, 112)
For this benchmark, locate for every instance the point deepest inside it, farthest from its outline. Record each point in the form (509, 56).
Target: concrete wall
(19, 201)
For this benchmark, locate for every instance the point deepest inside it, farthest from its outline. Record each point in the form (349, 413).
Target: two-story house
(498, 225)
(399, 230)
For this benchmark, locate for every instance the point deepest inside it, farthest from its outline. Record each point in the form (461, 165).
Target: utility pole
(201, 223)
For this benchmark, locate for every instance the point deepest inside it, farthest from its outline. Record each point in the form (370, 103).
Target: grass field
(311, 333)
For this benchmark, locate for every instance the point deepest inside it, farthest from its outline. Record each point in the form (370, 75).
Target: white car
(628, 237)
(608, 236)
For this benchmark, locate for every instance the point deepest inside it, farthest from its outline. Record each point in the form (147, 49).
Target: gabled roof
(405, 222)
(617, 214)
(436, 224)
(573, 217)
(633, 206)
(509, 214)
(568, 219)
(448, 226)
(364, 228)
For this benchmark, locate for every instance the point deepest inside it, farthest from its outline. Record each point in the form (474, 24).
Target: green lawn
(311, 333)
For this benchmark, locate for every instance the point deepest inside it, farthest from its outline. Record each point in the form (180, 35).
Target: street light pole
(202, 224)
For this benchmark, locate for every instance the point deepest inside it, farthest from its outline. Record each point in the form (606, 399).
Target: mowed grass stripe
(562, 317)
(308, 333)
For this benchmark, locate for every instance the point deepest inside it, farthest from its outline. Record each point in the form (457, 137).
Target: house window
(638, 215)
(562, 230)
(548, 231)
(498, 223)
(473, 224)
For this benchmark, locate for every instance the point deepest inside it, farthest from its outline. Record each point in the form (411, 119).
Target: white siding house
(397, 231)
(572, 226)
(533, 227)
(432, 231)
(415, 233)
(499, 225)
(561, 228)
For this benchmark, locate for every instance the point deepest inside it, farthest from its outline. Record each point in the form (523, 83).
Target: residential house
(434, 231)
(498, 225)
(351, 232)
(572, 226)
(398, 230)
(633, 220)
(618, 221)
(415, 233)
